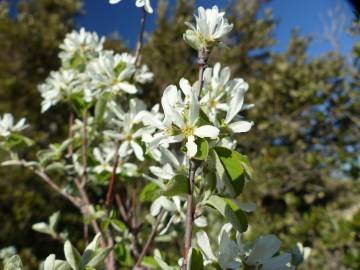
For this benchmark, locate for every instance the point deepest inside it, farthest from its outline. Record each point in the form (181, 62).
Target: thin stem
(84, 147)
(141, 38)
(86, 210)
(189, 212)
(150, 239)
(111, 262)
(121, 208)
(55, 187)
(202, 61)
(110, 192)
(86, 233)
(70, 133)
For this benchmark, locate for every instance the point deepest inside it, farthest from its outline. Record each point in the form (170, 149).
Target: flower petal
(191, 147)
(139, 153)
(207, 131)
(240, 126)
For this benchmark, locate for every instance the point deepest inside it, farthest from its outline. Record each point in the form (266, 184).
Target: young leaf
(230, 211)
(72, 256)
(100, 108)
(233, 166)
(202, 149)
(149, 193)
(179, 185)
(49, 262)
(99, 258)
(14, 263)
(42, 227)
(195, 261)
(54, 220)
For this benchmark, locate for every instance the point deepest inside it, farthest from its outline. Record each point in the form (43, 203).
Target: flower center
(188, 131)
(213, 103)
(129, 137)
(169, 131)
(114, 82)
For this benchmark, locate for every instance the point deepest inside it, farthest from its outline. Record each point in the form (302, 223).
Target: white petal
(207, 131)
(235, 104)
(143, 131)
(191, 147)
(114, 1)
(240, 126)
(138, 150)
(123, 150)
(194, 108)
(185, 87)
(127, 87)
(161, 173)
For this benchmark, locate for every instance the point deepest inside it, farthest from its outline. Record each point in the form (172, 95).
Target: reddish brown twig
(110, 190)
(150, 240)
(141, 38)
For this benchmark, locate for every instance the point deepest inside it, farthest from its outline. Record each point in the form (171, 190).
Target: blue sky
(310, 16)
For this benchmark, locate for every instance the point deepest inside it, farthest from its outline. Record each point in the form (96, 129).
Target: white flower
(210, 27)
(59, 86)
(111, 73)
(7, 125)
(82, 44)
(130, 131)
(263, 251)
(181, 124)
(215, 90)
(139, 3)
(105, 158)
(143, 75)
(236, 100)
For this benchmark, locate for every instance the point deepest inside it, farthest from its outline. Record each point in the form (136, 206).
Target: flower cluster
(88, 72)
(211, 26)
(139, 3)
(7, 125)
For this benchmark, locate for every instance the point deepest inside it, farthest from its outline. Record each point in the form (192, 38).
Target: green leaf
(72, 256)
(149, 262)
(230, 211)
(232, 163)
(179, 185)
(202, 149)
(203, 119)
(149, 193)
(99, 257)
(120, 67)
(246, 165)
(124, 255)
(118, 225)
(100, 108)
(196, 261)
